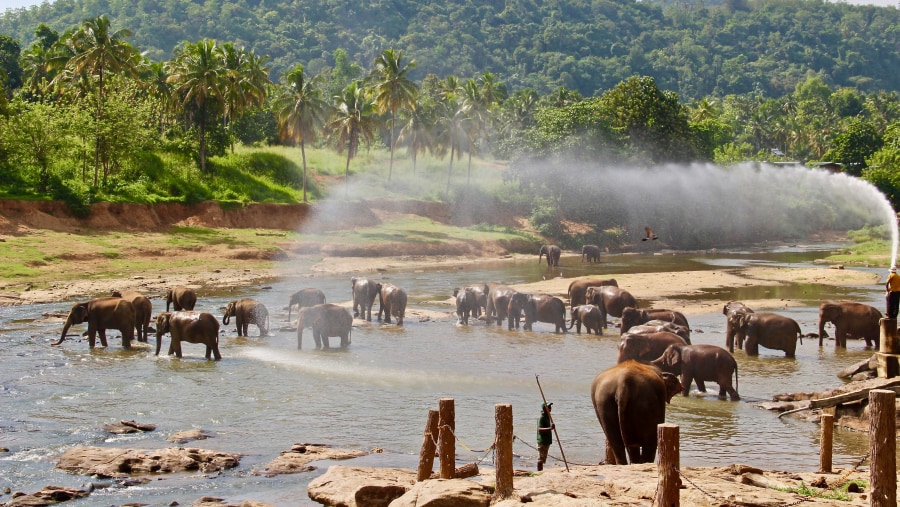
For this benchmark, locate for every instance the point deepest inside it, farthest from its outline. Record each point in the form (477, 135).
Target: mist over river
(265, 395)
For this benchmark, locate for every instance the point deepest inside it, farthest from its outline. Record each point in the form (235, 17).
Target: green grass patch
(871, 246)
(839, 494)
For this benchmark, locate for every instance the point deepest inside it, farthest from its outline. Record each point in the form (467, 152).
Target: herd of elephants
(655, 357)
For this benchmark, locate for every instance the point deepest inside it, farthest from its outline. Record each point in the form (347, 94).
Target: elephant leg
(325, 341)
(177, 346)
(648, 451)
(729, 340)
(215, 350)
(614, 439)
(700, 385)
(730, 390)
(208, 352)
(387, 316)
(102, 333)
(686, 384)
(317, 337)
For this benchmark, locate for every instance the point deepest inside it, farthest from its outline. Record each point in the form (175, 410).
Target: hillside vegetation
(694, 48)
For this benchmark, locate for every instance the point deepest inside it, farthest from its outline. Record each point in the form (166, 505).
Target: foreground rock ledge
(115, 462)
(602, 485)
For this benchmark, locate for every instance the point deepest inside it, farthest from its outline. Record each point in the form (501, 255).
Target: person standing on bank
(892, 296)
(544, 434)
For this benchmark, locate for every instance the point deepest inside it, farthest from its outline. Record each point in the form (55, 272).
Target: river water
(265, 395)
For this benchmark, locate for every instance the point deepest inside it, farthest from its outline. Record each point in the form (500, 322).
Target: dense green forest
(99, 110)
(694, 48)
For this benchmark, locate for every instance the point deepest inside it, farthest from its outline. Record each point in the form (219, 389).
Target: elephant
(497, 302)
(466, 304)
(552, 252)
(245, 312)
(364, 293)
(699, 363)
(591, 253)
(591, 317)
(633, 317)
(143, 310)
(391, 302)
(326, 320)
(191, 327)
(646, 347)
(610, 300)
(305, 297)
(655, 326)
(850, 319)
(102, 314)
(181, 298)
(770, 330)
(545, 308)
(732, 311)
(515, 307)
(630, 400)
(578, 289)
(480, 300)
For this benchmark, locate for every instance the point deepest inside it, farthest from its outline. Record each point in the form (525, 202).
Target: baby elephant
(699, 363)
(192, 327)
(245, 312)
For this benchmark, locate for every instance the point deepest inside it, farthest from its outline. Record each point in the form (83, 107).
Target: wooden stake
(447, 438)
(825, 443)
(429, 445)
(882, 448)
(503, 447)
(667, 490)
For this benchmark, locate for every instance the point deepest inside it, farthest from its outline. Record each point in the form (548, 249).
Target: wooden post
(888, 342)
(882, 448)
(503, 447)
(429, 445)
(667, 490)
(447, 438)
(825, 443)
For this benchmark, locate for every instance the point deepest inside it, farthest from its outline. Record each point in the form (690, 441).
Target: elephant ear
(673, 385)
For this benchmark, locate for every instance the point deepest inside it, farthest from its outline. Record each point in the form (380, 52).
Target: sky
(13, 4)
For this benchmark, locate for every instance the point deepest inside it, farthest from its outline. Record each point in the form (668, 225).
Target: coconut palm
(246, 79)
(354, 117)
(97, 51)
(300, 111)
(418, 130)
(198, 83)
(393, 89)
(451, 121)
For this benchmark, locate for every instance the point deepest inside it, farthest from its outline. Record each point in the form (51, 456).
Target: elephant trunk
(158, 340)
(226, 319)
(822, 333)
(65, 330)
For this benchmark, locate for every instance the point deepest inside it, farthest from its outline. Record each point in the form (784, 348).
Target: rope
(556, 458)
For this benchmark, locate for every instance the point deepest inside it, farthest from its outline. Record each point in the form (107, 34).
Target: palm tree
(418, 131)
(393, 90)
(300, 111)
(246, 80)
(354, 117)
(477, 113)
(452, 116)
(98, 51)
(198, 84)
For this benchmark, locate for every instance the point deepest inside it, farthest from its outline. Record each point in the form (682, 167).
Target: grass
(871, 246)
(839, 494)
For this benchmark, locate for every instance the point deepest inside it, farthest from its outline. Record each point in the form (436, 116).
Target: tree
(393, 89)
(10, 69)
(98, 51)
(198, 83)
(853, 146)
(354, 118)
(300, 111)
(245, 80)
(418, 130)
(450, 123)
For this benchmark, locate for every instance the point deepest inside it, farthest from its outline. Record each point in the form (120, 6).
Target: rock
(298, 458)
(124, 427)
(850, 371)
(115, 462)
(184, 436)
(210, 501)
(47, 496)
(440, 492)
(360, 486)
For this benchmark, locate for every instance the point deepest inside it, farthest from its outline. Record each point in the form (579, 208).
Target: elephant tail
(737, 386)
(799, 332)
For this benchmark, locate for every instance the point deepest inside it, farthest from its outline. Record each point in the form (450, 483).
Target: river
(265, 395)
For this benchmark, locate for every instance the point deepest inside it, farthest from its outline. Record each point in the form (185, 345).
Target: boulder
(298, 458)
(445, 492)
(184, 436)
(360, 486)
(48, 496)
(115, 462)
(211, 501)
(125, 427)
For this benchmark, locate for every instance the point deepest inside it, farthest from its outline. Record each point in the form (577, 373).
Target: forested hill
(738, 47)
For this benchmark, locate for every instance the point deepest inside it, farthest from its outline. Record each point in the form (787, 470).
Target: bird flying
(650, 234)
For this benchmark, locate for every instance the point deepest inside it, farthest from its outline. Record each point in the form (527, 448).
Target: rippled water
(266, 395)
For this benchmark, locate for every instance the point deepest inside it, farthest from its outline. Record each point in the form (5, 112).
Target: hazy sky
(12, 4)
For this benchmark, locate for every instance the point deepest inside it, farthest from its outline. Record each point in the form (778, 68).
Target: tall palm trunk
(391, 165)
(347, 176)
(202, 125)
(450, 169)
(303, 157)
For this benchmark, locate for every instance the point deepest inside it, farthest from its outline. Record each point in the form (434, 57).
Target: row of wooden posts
(441, 424)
